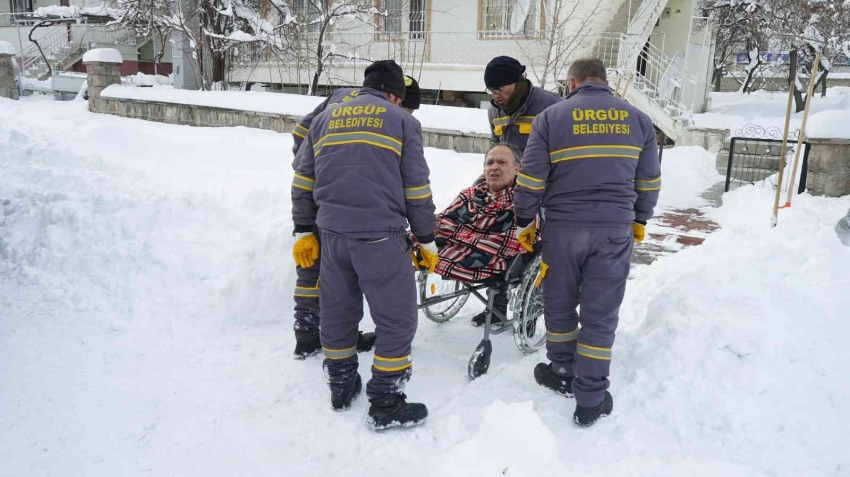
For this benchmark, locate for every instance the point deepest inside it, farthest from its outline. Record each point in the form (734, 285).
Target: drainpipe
(21, 56)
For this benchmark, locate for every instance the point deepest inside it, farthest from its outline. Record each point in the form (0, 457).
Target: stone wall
(829, 167)
(8, 88)
(205, 116)
(101, 75)
(709, 139)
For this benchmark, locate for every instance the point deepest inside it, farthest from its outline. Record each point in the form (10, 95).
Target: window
(509, 17)
(307, 11)
(392, 21)
(416, 19)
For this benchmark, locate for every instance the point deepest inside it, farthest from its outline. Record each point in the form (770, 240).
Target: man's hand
(429, 256)
(525, 236)
(306, 249)
(639, 232)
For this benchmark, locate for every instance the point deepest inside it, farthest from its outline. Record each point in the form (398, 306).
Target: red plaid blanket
(476, 234)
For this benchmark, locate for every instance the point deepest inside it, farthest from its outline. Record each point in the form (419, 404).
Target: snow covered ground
(733, 111)
(145, 328)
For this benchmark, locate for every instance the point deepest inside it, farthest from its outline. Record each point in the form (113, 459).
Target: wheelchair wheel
(446, 310)
(529, 327)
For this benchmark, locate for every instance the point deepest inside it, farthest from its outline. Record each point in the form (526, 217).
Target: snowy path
(145, 328)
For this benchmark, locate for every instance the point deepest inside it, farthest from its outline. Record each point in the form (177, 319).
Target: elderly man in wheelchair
(478, 250)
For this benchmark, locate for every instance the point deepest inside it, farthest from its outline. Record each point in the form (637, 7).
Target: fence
(756, 159)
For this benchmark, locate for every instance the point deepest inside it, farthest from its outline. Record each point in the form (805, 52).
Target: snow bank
(829, 124)
(735, 110)
(6, 48)
(103, 55)
(142, 79)
(74, 11)
(163, 282)
(432, 117)
(685, 173)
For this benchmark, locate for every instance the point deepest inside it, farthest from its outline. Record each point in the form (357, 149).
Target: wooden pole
(802, 136)
(626, 87)
(617, 86)
(783, 150)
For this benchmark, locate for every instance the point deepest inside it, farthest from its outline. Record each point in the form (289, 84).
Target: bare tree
(566, 27)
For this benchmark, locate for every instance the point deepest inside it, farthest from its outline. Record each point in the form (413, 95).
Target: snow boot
(561, 385)
(307, 348)
(342, 395)
(393, 410)
(365, 342)
(500, 302)
(586, 416)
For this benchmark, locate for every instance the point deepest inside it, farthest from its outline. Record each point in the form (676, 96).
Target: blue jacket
(592, 159)
(361, 172)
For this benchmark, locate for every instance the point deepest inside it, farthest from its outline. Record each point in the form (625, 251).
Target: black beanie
(502, 71)
(385, 75)
(412, 95)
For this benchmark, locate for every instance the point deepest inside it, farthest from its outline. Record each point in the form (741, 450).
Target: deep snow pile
(145, 326)
(733, 111)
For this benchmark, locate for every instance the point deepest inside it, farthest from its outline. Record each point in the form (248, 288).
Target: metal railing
(660, 78)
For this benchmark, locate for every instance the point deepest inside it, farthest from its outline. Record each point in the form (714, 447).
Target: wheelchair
(441, 299)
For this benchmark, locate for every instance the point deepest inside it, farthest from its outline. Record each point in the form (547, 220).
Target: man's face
(502, 95)
(500, 168)
(573, 84)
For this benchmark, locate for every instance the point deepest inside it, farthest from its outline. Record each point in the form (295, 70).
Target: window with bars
(416, 19)
(510, 17)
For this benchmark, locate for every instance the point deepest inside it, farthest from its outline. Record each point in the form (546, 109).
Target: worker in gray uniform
(515, 101)
(307, 309)
(362, 178)
(593, 161)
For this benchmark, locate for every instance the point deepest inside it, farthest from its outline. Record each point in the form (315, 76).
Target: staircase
(644, 75)
(58, 46)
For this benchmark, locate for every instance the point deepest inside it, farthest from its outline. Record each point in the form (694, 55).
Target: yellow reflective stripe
(646, 185)
(363, 137)
(562, 337)
(529, 182)
(586, 152)
(302, 182)
(339, 353)
(501, 121)
(421, 192)
(392, 364)
(307, 292)
(524, 120)
(594, 352)
(298, 131)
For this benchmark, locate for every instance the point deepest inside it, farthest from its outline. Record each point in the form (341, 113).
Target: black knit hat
(502, 71)
(412, 95)
(385, 75)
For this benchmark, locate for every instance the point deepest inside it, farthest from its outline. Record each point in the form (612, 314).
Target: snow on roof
(829, 124)
(103, 55)
(466, 120)
(6, 48)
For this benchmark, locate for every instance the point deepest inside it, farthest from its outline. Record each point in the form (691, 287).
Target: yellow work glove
(429, 256)
(544, 267)
(525, 235)
(306, 249)
(639, 232)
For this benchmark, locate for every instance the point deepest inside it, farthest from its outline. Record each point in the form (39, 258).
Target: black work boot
(586, 416)
(365, 342)
(500, 302)
(393, 410)
(559, 384)
(343, 394)
(305, 349)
